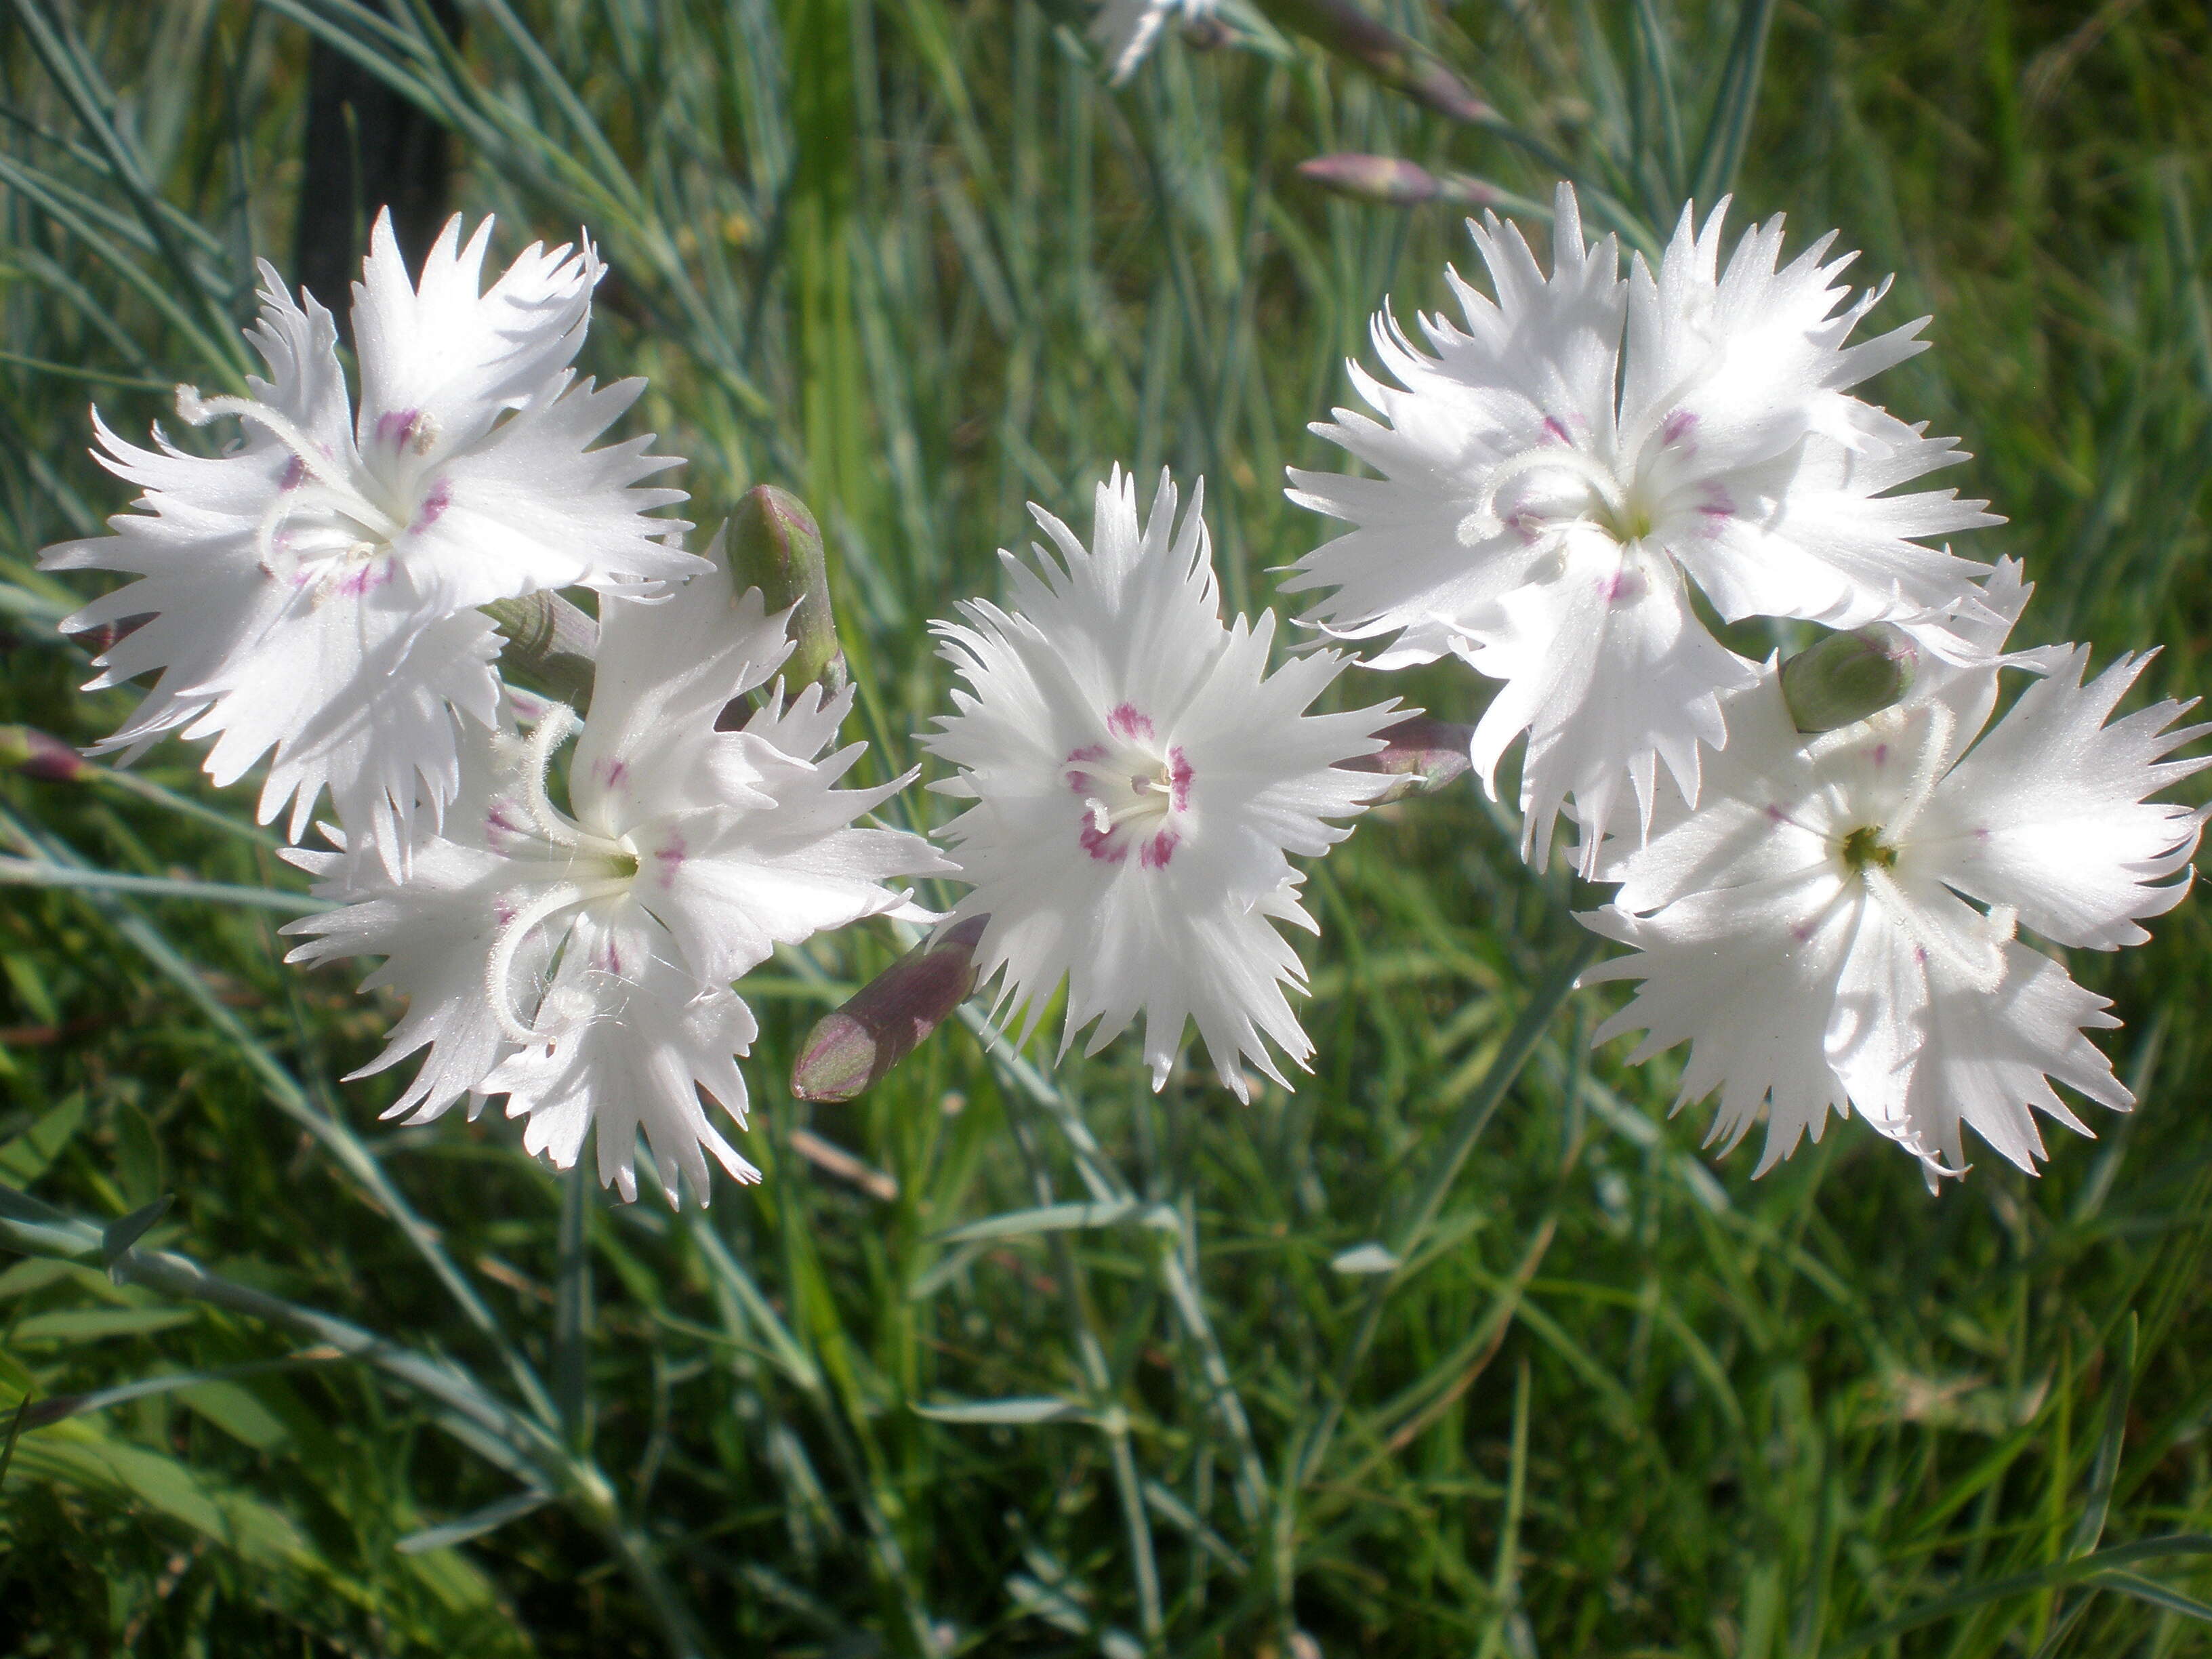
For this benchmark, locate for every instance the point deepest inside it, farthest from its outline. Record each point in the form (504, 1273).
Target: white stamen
(499, 971)
(556, 724)
(1927, 767)
(198, 411)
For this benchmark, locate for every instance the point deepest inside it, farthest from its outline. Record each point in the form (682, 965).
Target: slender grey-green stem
(41, 872)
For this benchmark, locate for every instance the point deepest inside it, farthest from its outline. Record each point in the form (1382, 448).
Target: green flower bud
(775, 546)
(1847, 676)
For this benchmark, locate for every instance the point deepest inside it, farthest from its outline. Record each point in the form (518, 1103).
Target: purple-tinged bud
(1340, 26)
(849, 1051)
(102, 637)
(36, 754)
(1847, 676)
(1424, 754)
(549, 648)
(1403, 183)
(776, 546)
(1373, 178)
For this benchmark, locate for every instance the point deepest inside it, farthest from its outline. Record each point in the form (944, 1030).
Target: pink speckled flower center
(332, 526)
(1135, 791)
(1559, 488)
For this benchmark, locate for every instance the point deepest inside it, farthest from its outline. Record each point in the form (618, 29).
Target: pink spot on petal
(433, 507)
(1160, 849)
(1078, 776)
(1558, 432)
(1103, 844)
(1801, 932)
(1679, 426)
(1124, 721)
(397, 427)
(1622, 588)
(612, 771)
(1881, 754)
(1179, 776)
(1775, 815)
(296, 474)
(364, 579)
(1920, 955)
(668, 858)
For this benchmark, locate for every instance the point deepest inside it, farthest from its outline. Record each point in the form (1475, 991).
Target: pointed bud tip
(37, 754)
(1372, 178)
(776, 546)
(1847, 676)
(849, 1049)
(1425, 754)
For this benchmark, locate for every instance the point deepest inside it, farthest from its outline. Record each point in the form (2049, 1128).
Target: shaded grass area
(1089, 1381)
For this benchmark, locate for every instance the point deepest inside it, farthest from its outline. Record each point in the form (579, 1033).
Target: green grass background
(913, 261)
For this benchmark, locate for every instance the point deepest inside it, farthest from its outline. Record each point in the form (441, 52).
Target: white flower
(1124, 30)
(579, 962)
(1560, 473)
(314, 591)
(1139, 778)
(1832, 926)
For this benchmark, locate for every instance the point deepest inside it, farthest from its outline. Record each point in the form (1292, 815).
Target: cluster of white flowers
(312, 596)
(1828, 920)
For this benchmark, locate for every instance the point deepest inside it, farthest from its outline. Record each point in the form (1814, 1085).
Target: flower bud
(1847, 676)
(849, 1051)
(102, 637)
(37, 754)
(1425, 754)
(1399, 183)
(550, 646)
(1373, 178)
(1342, 28)
(776, 546)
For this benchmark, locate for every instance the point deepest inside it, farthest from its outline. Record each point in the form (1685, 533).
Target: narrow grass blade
(1062, 1218)
(1727, 128)
(2089, 1530)
(474, 1524)
(35, 872)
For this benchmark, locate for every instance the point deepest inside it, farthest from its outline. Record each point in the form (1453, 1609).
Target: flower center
(1135, 791)
(1632, 521)
(1556, 485)
(579, 866)
(1864, 846)
(329, 529)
